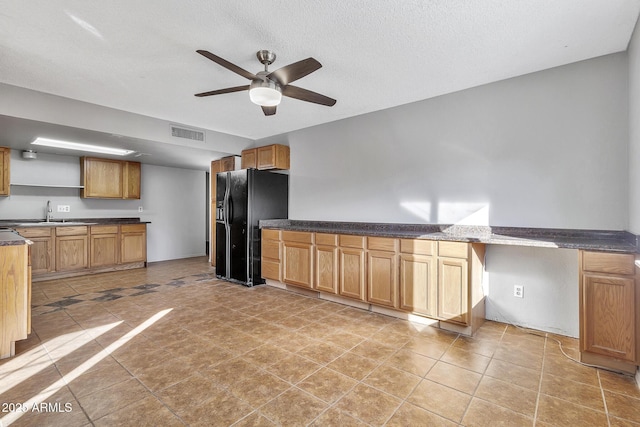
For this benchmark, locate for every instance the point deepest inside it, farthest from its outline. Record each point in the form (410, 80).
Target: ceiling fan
(266, 88)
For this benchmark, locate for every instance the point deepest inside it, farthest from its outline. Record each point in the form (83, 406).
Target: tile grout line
(544, 357)
(604, 399)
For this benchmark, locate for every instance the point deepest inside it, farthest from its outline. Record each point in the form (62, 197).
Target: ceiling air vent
(180, 132)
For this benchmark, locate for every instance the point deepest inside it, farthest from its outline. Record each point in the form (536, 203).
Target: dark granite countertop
(11, 238)
(12, 223)
(597, 240)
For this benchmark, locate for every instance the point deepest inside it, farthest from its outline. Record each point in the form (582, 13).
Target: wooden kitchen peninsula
(15, 292)
(435, 272)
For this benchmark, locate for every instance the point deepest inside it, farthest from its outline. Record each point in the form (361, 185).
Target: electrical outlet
(64, 208)
(518, 291)
(140, 209)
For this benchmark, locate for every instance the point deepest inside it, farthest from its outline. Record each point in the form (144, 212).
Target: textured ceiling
(139, 56)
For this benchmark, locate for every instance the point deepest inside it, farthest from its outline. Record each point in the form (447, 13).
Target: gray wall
(634, 131)
(171, 198)
(548, 149)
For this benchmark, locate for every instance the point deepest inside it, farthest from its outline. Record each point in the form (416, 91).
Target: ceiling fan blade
(228, 65)
(292, 72)
(307, 95)
(269, 111)
(221, 91)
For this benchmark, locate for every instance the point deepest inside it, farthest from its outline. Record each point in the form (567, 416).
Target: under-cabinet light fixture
(81, 147)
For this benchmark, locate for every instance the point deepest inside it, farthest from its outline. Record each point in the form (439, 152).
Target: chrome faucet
(49, 211)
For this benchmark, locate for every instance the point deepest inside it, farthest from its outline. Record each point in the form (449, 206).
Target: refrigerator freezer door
(237, 225)
(221, 228)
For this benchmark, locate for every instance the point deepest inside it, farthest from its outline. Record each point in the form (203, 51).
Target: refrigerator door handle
(229, 210)
(225, 204)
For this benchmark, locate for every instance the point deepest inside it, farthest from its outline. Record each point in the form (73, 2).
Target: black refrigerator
(244, 197)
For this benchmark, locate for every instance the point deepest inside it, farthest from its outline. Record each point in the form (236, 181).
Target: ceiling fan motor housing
(266, 57)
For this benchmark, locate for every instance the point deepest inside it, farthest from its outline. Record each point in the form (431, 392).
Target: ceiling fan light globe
(265, 93)
(265, 96)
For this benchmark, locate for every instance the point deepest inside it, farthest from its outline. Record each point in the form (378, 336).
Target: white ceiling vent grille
(181, 132)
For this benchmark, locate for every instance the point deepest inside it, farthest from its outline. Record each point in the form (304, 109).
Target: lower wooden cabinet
(326, 263)
(453, 290)
(103, 246)
(271, 255)
(297, 265)
(418, 288)
(352, 282)
(42, 251)
(15, 291)
(443, 282)
(71, 253)
(133, 243)
(74, 250)
(609, 302)
(382, 271)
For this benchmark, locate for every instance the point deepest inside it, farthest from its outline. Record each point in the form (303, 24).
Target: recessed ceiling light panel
(81, 147)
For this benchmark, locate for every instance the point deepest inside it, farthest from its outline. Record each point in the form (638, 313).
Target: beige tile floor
(172, 345)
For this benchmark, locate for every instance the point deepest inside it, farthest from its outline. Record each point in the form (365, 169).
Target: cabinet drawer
(271, 234)
(418, 247)
(297, 236)
(352, 241)
(271, 249)
(35, 231)
(104, 229)
(453, 249)
(605, 262)
(71, 231)
(324, 239)
(382, 244)
(271, 270)
(133, 228)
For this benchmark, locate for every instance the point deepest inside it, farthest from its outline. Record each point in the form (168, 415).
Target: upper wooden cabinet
(5, 157)
(131, 180)
(109, 179)
(273, 156)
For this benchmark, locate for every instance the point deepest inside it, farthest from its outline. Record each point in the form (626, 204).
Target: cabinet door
(131, 180)
(352, 273)
(103, 250)
(102, 178)
(453, 290)
(327, 269)
(5, 158)
(297, 264)
(382, 278)
(133, 245)
(42, 255)
(274, 156)
(71, 253)
(227, 164)
(418, 290)
(608, 316)
(249, 159)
